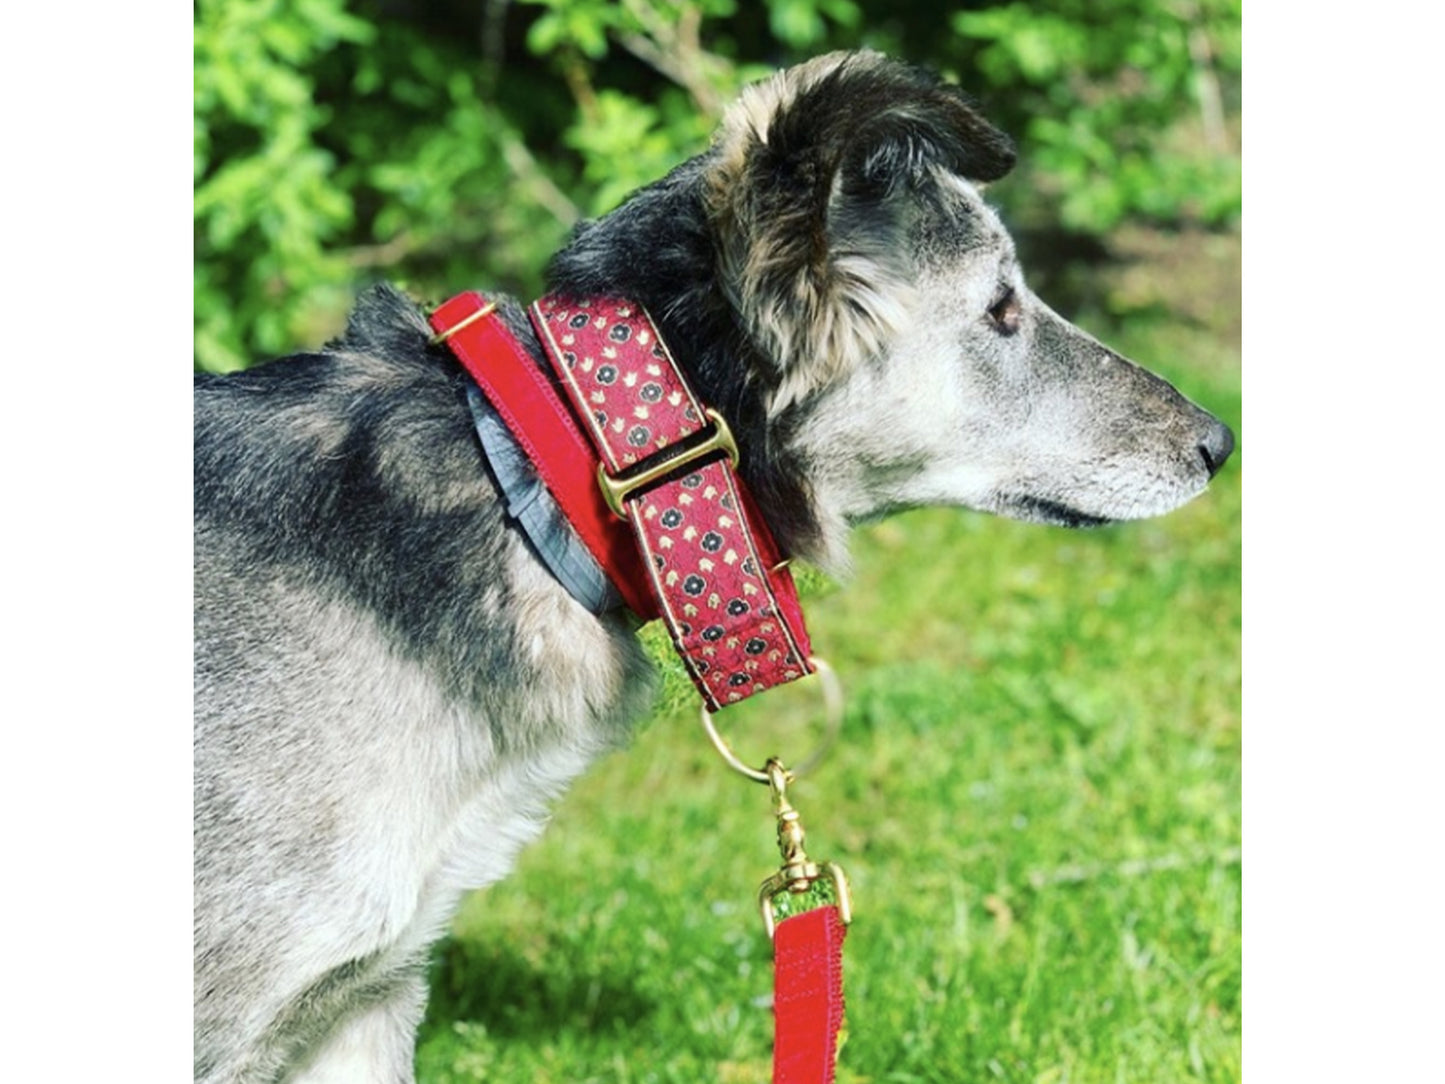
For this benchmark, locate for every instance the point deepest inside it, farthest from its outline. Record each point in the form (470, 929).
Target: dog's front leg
(376, 1044)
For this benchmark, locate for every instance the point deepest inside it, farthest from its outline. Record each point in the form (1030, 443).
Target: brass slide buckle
(616, 491)
(466, 321)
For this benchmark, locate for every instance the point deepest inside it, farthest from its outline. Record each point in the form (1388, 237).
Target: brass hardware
(831, 870)
(617, 491)
(797, 873)
(442, 336)
(833, 723)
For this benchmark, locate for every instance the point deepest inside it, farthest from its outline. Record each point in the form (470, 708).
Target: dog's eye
(1005, 313)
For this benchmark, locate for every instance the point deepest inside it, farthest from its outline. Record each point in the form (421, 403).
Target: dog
(391, 685)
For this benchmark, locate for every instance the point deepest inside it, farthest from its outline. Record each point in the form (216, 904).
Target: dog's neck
(643, 472)
(616, 255)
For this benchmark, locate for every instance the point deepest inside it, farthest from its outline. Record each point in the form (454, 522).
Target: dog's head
(813, 193)
(858, 308)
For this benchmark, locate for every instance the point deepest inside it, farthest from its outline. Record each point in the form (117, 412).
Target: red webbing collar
(543, 425)
(807, 996)
(697, 553)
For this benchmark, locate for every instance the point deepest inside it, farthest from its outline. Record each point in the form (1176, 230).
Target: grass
(1036, 796)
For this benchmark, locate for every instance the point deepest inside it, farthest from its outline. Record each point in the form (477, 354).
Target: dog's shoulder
(385, 344)
(386, 323)
(376, 416)
(376, 408)
(355, 470)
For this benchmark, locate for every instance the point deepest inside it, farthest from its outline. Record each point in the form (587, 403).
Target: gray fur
(391, 688)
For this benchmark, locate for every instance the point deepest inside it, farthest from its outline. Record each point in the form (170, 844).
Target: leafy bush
(268, 211)
(1095, 109)
(443, 148)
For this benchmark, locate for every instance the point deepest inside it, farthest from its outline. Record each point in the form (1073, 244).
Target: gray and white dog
(391, 686)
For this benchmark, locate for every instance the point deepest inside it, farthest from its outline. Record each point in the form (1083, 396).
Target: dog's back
(387, 691)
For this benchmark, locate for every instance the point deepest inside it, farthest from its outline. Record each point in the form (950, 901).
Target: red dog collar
(647, 479)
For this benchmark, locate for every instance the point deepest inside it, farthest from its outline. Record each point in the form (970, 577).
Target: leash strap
(729, 602)
(807, 948)
(807, 996)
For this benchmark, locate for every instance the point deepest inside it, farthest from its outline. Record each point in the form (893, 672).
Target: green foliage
(803, 24)
(266, 207)
(335, 143)
(1099, 108)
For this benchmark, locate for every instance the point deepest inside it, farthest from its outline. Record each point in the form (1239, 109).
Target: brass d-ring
(833, 721)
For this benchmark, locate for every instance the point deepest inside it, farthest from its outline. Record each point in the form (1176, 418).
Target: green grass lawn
(1036, 796)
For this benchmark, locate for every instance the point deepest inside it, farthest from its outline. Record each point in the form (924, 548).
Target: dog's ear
(811, 188)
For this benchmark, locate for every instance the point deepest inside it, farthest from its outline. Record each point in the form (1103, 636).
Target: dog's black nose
(1217, 446)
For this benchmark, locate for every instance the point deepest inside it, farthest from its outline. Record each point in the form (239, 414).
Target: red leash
(645, 474)
(807, 996)
(807, 949)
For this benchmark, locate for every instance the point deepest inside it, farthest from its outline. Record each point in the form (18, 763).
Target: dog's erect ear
(809, 188)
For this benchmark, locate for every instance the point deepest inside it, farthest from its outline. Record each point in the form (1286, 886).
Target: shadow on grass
(501, 989)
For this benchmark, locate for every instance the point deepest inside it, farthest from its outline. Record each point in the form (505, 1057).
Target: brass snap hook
(798, 873)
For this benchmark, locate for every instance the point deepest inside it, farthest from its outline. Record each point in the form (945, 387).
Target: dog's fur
(390, 687)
